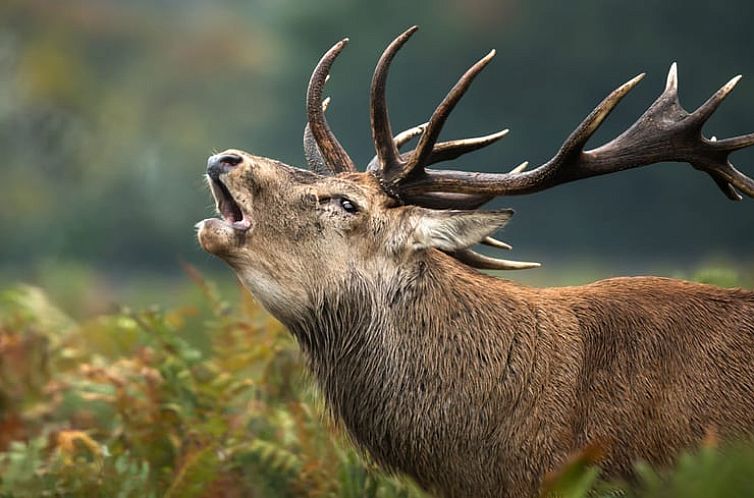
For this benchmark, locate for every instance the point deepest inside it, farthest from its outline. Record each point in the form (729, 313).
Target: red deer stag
(473, 385)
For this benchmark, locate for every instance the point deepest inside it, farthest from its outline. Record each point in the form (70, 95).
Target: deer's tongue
(242, 225)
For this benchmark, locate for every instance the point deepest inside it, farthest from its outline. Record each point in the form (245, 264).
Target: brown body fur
(485, 385)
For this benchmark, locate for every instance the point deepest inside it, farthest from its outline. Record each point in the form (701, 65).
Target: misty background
(109, 109)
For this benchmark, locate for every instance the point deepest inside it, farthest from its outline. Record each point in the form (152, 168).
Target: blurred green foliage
(147, 404)
(123, 405)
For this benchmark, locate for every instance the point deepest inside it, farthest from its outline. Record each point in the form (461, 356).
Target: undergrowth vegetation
(125, 404)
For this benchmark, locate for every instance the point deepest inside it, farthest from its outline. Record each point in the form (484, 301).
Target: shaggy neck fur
(478, 387)
(400, 369)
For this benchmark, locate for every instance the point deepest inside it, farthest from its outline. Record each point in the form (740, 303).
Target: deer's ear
(454, 230)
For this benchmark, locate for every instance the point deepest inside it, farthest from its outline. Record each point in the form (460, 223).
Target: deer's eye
(347, 205)
(341, 203)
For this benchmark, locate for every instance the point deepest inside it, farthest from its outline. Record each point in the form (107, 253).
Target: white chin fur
(279, 301)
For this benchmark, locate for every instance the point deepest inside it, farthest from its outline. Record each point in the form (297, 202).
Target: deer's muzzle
(218, 166)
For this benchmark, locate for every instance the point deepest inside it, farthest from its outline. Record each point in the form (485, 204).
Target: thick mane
(401, 363)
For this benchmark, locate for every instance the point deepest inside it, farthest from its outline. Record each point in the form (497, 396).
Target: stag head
(290, 233)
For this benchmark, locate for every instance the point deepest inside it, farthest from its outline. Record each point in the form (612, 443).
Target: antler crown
(666, 132)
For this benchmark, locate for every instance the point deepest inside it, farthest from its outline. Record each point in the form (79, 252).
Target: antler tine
(443, 151)
(576, 141)
(671, 82)
(382, 135)
(448, 151)
(735, 143)
(336, 159)
(311, 150)
(727, 177)
(521, 167)
(498, 244)
(726, 189)
(665, 132)
(313, 155)
(405, 136)
(424, 149)
(716, 164)
(482, 262)
(705, 110)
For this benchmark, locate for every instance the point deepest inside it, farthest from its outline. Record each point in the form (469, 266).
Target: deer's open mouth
(227, 206)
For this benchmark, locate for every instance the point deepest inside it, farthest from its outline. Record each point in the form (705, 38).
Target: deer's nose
(221, 163)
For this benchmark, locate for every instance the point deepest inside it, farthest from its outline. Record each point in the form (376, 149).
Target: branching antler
(444, 151)
(393, 168)
(666, 132)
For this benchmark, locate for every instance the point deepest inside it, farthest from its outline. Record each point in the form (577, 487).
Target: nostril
(221, 163)
(229, 160)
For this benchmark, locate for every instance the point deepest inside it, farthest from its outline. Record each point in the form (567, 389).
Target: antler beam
(665, 132)
(324, 146)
